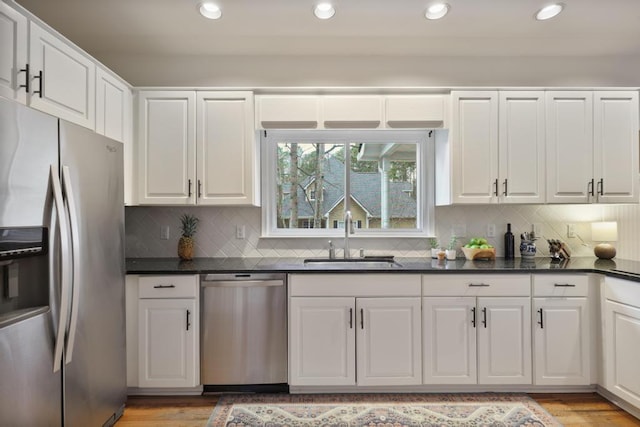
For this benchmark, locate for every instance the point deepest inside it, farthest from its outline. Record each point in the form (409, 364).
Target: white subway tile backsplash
(216, 236)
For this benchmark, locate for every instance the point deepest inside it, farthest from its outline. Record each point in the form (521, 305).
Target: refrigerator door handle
(61, 217)
(75, 247)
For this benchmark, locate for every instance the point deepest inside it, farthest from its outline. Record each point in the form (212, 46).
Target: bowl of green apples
(478, 248)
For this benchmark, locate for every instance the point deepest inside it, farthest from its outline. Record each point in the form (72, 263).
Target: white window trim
(425, 161)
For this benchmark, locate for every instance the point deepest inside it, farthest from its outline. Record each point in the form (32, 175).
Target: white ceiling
(473, 28)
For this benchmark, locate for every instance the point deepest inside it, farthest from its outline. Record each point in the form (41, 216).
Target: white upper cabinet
(416, 111)
(521, 144)
(364, 112)
(474, 146)
(351, 111)
(63, 80)
(166, 147)
(197, 148)
(592, 147)
(615, 138)
(13, 54)
(497, 147)
(287, 112)
(113, 107)
(227, 168)
(569, 146)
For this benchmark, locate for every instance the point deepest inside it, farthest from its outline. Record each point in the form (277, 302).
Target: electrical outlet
(491, 230)
(571, 230)
(240, 232)
(537, 229)
(164, 232)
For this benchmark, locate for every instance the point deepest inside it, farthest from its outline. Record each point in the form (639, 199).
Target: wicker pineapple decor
(189, 223)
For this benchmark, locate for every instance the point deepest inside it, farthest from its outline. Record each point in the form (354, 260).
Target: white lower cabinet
(484, 340)
(163, 332)
(562, 329)
(348, 340)
(621, 319)
(561, 341)
(323, 345)
(167, 343)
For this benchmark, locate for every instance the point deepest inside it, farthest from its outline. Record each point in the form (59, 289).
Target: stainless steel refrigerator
(62, 330)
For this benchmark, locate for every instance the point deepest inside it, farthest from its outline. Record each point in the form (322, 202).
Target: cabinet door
(388, 341)
(569, 123)
(113, 107)
(474, 139)
(288, 112)
(166, 147)
(521, 147)
(68, 84)
(561, 341)
(616, 146)
(352, 111)
(621, 349)
(322, 345)
(227, 167)
(504, 340)
(416, 111)
(449, 346)
(167, 347)
(13, 53)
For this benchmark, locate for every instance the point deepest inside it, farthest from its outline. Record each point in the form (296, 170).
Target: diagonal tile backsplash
(216, 236)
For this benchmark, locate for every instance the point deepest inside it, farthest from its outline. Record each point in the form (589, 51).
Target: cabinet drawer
(168, 286)
(564, 285)
(476, 285)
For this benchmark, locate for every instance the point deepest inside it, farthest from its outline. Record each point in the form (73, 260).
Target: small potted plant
(435, 247)
(451, 249)
(188, 225)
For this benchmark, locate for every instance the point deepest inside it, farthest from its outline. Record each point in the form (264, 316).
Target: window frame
(425, 165)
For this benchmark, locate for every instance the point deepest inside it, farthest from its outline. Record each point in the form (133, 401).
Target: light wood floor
(579, 409)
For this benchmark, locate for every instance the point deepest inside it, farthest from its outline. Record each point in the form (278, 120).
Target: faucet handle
(332, 250)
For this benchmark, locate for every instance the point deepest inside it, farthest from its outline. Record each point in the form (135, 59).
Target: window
(311, 178)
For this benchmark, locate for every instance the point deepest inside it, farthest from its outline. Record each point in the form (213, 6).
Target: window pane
(309, 184)
(383, 179)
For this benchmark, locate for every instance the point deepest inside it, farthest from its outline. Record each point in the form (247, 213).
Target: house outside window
(383, 177)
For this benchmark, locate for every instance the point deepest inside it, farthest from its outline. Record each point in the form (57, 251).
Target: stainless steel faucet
(348, 229)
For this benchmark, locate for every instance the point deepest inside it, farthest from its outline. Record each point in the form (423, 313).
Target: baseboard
(467, 388)
(621, 403)
(164, 391)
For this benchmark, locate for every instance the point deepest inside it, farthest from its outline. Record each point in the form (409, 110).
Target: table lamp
(604, 232)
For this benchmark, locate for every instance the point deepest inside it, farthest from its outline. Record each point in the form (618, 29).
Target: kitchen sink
(367, 262)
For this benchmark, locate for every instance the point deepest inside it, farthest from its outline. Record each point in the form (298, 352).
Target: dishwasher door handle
(241, 283)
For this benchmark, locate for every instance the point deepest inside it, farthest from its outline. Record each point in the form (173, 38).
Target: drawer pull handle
(541, 321)
(164, 286)
(473, 318)
(484, 285)
(188, 315)
(564, 285)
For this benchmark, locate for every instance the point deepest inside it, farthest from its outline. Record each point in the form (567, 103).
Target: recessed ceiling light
(549, 11)
(324, 11)
(437, 11)
(210, 10)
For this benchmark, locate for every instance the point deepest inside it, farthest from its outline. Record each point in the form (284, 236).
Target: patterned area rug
(379, 410)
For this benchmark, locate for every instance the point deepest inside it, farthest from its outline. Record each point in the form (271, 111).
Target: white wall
(216, 232)
(375, 71)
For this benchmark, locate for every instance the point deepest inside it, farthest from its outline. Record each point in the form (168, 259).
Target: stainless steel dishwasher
(243, 342)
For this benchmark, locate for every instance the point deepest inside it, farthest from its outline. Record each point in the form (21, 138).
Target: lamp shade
(604, 231)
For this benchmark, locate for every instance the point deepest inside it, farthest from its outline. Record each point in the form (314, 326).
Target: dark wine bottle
(508, 243)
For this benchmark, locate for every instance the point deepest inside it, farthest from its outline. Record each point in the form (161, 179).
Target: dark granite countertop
(625, 269)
